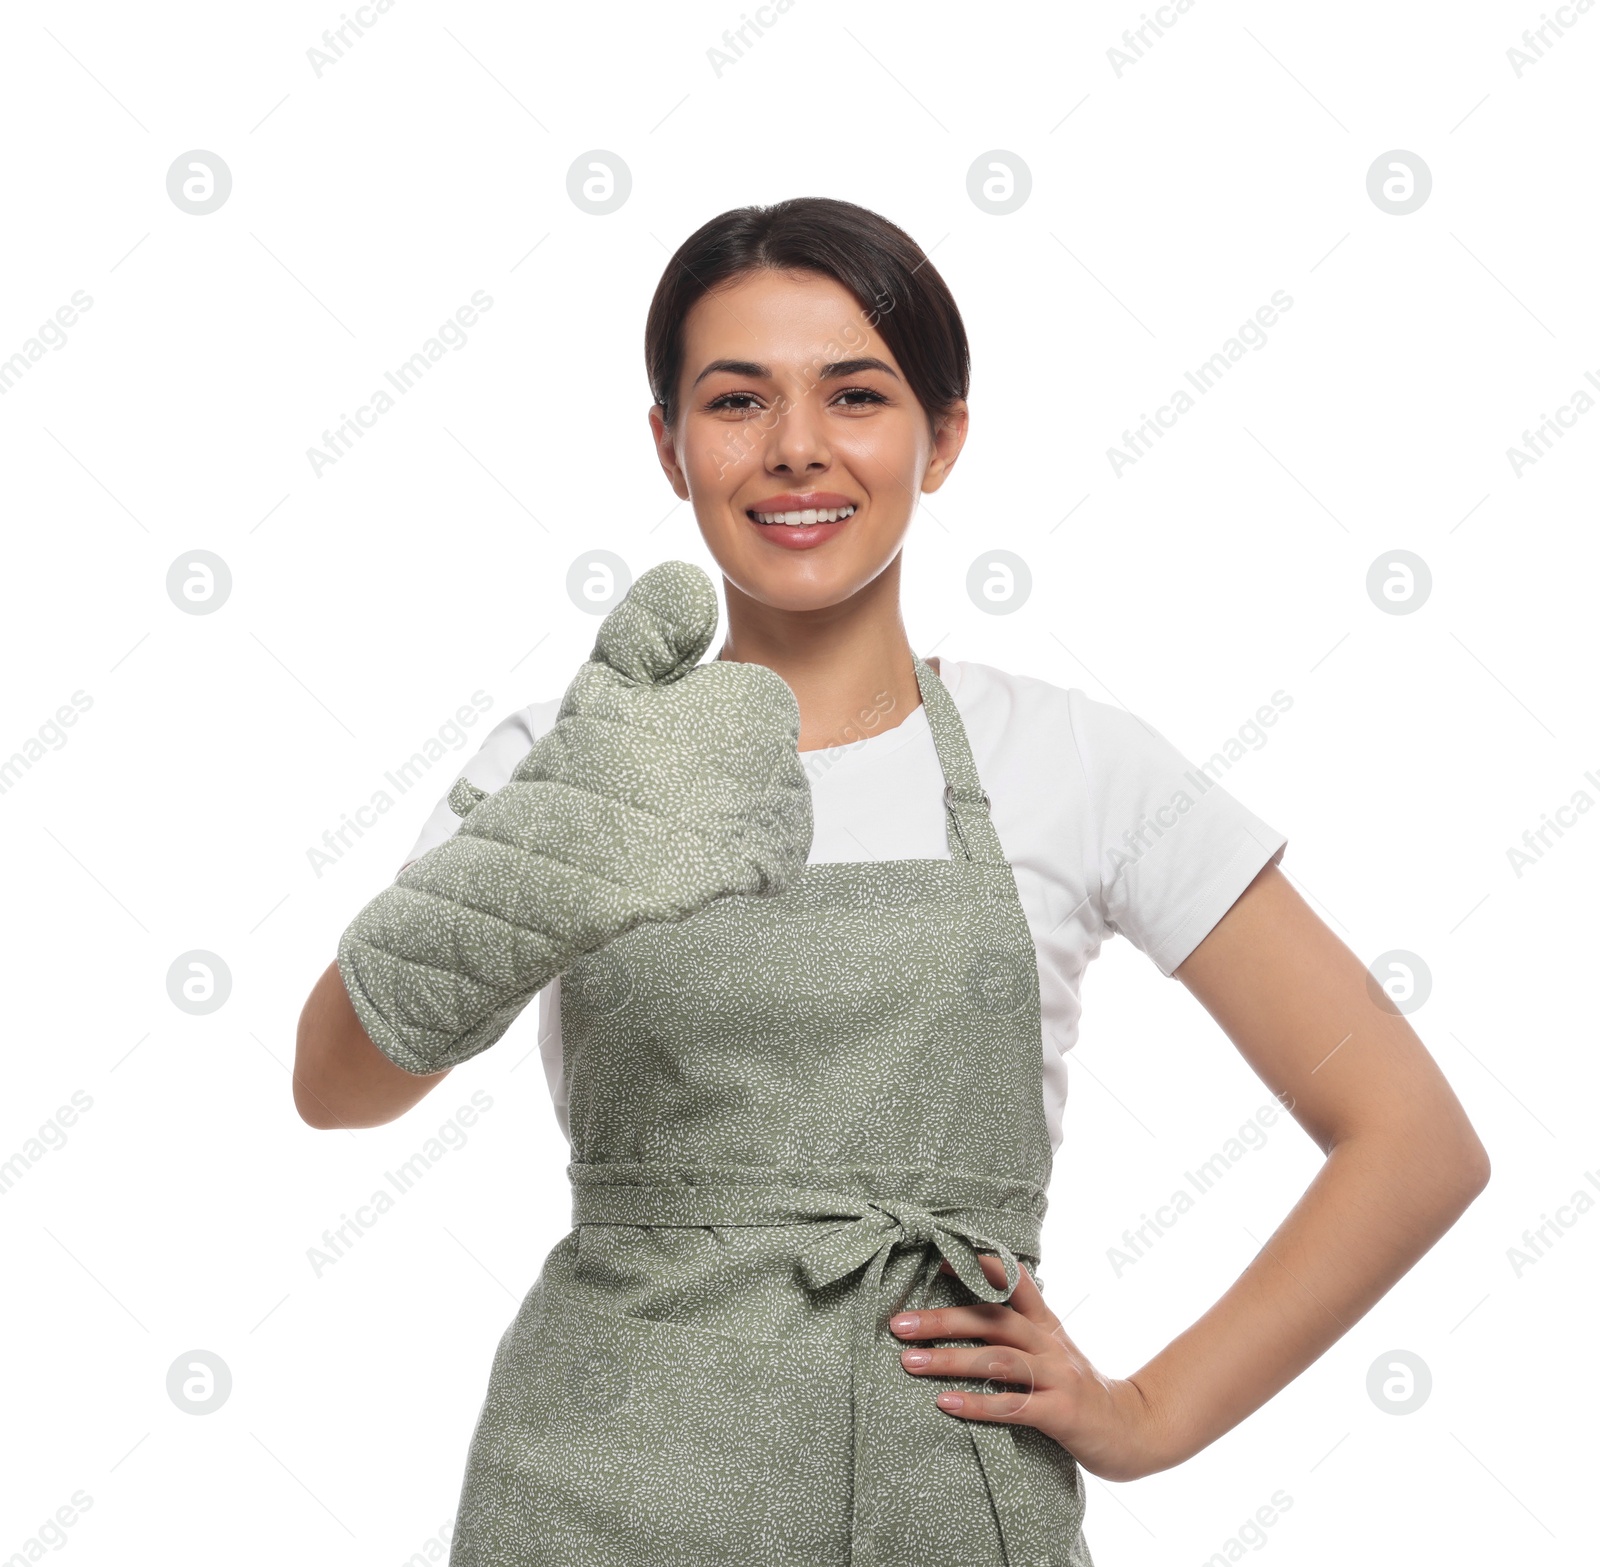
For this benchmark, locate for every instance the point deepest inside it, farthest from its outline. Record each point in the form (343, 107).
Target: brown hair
(887, 271)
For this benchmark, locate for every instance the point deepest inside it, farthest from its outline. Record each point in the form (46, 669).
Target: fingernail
(904, 1323)
(915, 1357)
(949, 1400)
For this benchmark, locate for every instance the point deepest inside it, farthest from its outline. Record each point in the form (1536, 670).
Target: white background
(369, 603)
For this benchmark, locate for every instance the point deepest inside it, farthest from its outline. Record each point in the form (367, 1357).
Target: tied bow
(884, 1223)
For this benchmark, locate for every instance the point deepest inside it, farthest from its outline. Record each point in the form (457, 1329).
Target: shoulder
(1161, 846)
(1003, 710)
(1006, 713)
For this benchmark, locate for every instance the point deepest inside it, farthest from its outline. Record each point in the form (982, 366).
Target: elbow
(312, 1108)
(1460, 1179)
(1445, 1174)
(1448, 1183)
(1475, 1169)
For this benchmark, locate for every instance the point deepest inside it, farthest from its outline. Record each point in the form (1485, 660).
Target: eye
(862, 391)
(738, 402)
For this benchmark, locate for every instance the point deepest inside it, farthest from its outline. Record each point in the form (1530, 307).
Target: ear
(949, 437)
(667, 453)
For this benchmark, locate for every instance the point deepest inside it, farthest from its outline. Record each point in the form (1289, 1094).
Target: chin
(799, 580)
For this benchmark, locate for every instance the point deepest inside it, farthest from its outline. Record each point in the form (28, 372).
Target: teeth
(801, 519)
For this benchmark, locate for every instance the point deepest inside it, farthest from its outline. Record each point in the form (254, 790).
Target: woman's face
(789, 401)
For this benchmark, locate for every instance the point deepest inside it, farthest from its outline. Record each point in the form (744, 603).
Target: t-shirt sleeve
(490, 768)
(1175, 847)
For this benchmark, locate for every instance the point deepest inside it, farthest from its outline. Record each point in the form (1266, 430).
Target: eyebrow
(760, 372)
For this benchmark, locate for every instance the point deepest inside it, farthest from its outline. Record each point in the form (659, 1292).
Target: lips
(801, 519)
(802, 509)
(818, 511)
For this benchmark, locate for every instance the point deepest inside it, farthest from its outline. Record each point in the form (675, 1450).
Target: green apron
(784, 1112)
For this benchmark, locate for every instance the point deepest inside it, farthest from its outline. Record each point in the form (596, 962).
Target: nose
(797, 442)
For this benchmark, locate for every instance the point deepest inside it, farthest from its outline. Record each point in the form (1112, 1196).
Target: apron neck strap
(968, 830)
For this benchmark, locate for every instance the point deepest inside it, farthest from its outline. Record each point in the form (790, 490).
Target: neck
(849, 665)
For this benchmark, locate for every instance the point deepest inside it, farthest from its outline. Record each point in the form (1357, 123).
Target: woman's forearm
(342, 1079)
(1379, 1202)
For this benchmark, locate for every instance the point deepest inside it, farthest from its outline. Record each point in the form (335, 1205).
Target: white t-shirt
(1107, 826)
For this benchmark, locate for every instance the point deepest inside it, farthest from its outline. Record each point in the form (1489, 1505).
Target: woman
(807, 1036)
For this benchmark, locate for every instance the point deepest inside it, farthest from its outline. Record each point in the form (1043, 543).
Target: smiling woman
(805, 1028)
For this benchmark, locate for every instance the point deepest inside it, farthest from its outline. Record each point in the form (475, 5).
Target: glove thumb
(664, 623)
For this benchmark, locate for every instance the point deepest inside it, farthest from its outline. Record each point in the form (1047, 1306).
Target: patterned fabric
(784, 1113)
(662, 786)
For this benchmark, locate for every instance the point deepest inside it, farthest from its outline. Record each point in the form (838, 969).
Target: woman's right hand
(663, 785)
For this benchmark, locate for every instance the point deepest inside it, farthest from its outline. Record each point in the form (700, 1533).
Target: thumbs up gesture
(663, 784)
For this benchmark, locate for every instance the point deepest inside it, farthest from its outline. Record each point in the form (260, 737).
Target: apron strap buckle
(952, 794)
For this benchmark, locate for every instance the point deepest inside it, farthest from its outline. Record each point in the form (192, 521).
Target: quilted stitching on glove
(663, 784)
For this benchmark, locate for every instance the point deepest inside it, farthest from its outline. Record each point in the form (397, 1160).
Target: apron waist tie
(871, 1227)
